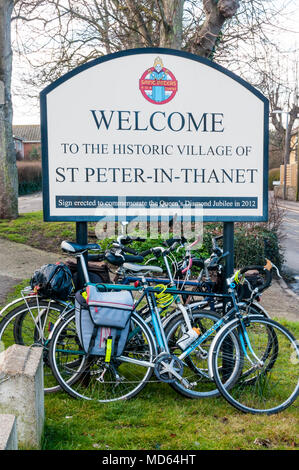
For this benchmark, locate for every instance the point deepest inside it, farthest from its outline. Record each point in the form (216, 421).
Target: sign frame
(211, 218)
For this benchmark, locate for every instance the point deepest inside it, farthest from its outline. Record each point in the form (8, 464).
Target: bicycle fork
(246, 345)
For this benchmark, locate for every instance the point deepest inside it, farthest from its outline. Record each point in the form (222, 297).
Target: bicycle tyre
(276, 386)
(82, 377)
(18, 327)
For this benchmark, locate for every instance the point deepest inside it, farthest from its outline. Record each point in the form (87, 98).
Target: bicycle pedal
(201, 354)
(187, 384)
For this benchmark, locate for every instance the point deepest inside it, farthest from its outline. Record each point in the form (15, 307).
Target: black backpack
(53, 281)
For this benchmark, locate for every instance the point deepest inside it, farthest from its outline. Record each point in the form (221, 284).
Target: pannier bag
(53, 281)
(103, 321)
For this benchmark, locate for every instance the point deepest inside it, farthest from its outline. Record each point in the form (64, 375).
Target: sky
(26, 110)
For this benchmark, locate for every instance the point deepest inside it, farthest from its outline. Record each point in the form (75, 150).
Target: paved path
(281, 302)
(30, 203)
(291, 234)
(18, 262)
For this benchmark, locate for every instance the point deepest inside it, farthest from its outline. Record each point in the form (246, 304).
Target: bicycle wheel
(196, 364)
(246, 308)
(273, 382)
(30, 325)
(89, 377)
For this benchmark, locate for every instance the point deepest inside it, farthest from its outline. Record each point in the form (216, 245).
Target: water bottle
(188, 338)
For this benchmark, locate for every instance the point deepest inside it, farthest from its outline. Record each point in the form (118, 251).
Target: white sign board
(151, 130)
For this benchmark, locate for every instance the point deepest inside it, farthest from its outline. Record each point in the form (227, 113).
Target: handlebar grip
(133, 258)
(99, 257)
(171, 248)
(130, 250)
(128, 240)
(146, 252)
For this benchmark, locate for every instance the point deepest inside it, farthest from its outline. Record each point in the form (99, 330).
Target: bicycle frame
(159, 337)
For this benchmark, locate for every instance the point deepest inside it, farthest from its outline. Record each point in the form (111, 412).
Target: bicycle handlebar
(131, 251)
(159, 250)
(122, 240)
(267, 270)
(99, 257)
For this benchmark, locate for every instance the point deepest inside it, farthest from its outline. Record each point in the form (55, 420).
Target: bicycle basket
(103, 316)
(244, 291)
(53, 281)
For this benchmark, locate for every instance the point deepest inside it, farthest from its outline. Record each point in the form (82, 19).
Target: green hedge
(252, 244)
(30, 177)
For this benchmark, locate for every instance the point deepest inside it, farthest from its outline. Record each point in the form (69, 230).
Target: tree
(8, 169)
(275, 73)
(72, 32)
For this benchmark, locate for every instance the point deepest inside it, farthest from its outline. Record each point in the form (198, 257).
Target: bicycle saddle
(138, 268)
(70, 247)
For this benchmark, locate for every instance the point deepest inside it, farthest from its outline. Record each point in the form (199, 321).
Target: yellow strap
(237, 279)
(108, 349)
(84, 295)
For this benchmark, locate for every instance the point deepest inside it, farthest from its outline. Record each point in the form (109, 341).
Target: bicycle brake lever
(277, 271)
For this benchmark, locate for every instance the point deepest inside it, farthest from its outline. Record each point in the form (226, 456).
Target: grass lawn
(30, 229)
(159, 418)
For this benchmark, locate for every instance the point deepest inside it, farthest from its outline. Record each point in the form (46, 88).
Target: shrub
(19, 156)
(274, 175)
(30, 177)
(35, 154)
(253, 243)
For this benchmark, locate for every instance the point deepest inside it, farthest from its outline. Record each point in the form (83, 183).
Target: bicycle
(167, 367)
(271, 383)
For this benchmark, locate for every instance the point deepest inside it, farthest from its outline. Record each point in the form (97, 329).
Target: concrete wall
(8, 432)
(290, 194)
(22, 391)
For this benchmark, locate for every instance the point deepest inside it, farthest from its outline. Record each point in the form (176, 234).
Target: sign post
(82, 239)
(228, 245)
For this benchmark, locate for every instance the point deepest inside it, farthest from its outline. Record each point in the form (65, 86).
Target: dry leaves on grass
(262, 442)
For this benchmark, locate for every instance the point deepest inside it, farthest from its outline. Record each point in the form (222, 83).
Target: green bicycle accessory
(239, 278)
(108, 349)
(163, 300)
